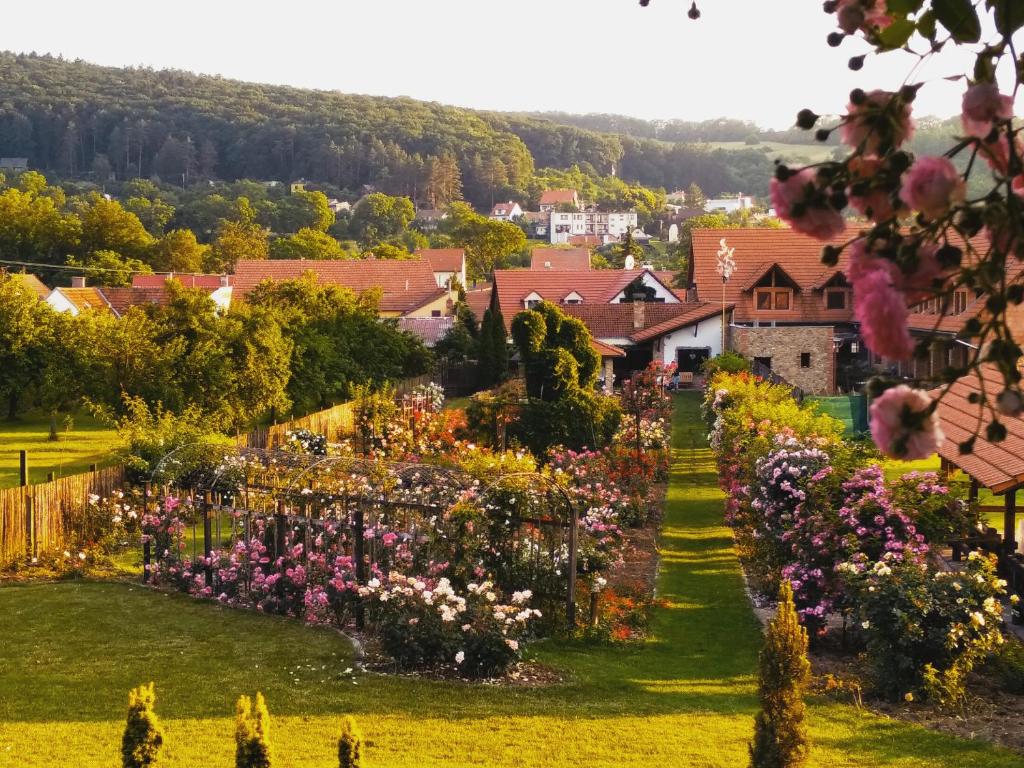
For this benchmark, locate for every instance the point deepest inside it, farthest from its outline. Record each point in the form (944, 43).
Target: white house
(506, 211)
(609, 226)
(448, 264)
(729, 204)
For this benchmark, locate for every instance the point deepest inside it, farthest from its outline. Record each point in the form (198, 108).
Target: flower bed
(815, 510)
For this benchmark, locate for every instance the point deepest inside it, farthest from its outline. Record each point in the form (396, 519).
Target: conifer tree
(143, 736)
(486, 352)
(350, 745)
(252, 733)
(780, 733)
(499, 346)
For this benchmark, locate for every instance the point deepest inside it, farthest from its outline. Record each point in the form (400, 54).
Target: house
(539, 223)
(551, 199)
(78, 298)
(13, 164)
(339, 206)
(729, 204)
(793, 315)
(560, 259)
(218, 287)
(427, 219)
(506, 211)
(408, 287)
(635, 311)
(588, 241)
(448, 264)
(605, 226)
(299, 185)
(32, 283)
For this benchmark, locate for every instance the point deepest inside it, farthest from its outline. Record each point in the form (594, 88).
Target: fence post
(23, 468)
(207, 537)
(147, 546)
(51, 476)
(358, 554)
(92, 467)
(570, 604)
(280, 522)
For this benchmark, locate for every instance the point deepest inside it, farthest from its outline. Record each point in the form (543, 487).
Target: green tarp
(852, 410)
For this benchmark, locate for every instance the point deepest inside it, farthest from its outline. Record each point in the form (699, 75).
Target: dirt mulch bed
(989, 714)
(638, 572)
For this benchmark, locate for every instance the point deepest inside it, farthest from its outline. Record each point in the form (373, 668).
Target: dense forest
(78, 120)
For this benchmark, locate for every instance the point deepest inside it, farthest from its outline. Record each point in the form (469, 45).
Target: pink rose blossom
(872, 123)
(852, 15)
(931, 186)
(982, 106)
(818, 220)
(890, 430)
(881, 309)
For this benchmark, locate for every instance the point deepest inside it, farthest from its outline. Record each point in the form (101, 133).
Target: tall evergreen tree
(486, 354)
(499, 346)
(780, 733)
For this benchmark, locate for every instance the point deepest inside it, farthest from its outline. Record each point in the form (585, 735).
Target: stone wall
(785, 345)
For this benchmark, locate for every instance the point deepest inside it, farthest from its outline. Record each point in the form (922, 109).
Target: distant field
(87, 442)
(812, 152)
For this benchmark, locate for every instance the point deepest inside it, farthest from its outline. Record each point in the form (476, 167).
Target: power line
(71, 267)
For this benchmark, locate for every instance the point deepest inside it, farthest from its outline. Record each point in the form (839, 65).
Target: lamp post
(725, 265)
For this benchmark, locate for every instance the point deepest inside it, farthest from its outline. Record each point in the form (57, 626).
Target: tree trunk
(53, 427)
(12, 406)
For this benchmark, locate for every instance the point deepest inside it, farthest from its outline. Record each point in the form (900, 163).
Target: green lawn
(686, 698)
(88, 442)
(811, 152)
(895, 468)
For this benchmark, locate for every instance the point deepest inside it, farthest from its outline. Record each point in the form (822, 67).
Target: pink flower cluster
(904, 424)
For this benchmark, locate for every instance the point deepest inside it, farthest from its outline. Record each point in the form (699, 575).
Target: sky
(758, 60)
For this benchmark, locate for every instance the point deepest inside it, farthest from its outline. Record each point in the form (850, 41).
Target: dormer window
(837, 298)
(573, 298)
(959, 303)
(532, 300)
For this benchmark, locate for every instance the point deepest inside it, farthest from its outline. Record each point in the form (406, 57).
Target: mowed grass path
(69, 653)
(88, 442)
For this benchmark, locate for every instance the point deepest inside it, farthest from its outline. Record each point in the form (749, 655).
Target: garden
(891, 617)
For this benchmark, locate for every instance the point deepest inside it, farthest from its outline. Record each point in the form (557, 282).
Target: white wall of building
(60, 302)
(660, 291)
(705, 334)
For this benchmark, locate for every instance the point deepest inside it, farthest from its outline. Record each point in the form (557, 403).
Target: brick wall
(785, 345)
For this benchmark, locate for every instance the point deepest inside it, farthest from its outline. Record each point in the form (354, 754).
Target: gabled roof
(606, 350)
(86, 298)
(31, 282)
(188, 280)
(596, 286)
(585, 240)
(693, 314)
(443, 259)
(479, 300)
(503, 209)
(121, 299)
(575, 259)
(431, 214)
(430, 329)
(997, 466)
(758, 273)
(537, 216)
(558, 196)
(617, 321)
(406, 284)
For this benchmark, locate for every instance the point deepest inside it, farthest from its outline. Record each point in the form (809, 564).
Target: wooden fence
(335, 423)
(35, 518)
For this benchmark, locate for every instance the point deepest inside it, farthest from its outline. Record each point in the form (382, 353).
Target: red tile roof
(212, 282)
(406, 284)
(443, 259)
(503, 209)
(123, 298)
(585, 240)
(430, 329)
(693, 314)
(560, 258)
(618, 321)
(606, 350)
(479, 300)
(997, 466)
(595, 286)
(86, 298)
(31, 282)
(757, 250)
(558, 196)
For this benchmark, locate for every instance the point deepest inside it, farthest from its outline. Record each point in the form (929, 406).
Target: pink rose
(895, 425)
(852, 15)
(931, 186)
(982, 106)
(799, 201)
(881, 118)
(881, 309)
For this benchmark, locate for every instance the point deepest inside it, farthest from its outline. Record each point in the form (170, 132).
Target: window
(805, 359)
(959, 302)
(773, 299)
(435, 313)
(835, 298)
(763, 362)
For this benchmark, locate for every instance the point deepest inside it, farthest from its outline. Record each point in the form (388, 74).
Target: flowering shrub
(938, 515)
(305, 441)
(925, 629)
(425, 623)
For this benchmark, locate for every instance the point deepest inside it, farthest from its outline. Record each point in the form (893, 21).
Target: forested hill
(76, 119)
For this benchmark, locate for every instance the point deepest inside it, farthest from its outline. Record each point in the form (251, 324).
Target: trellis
(300, 494)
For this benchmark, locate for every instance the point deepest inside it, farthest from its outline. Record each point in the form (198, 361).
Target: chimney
(78, 281)
(224, 281)
(639, 310)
